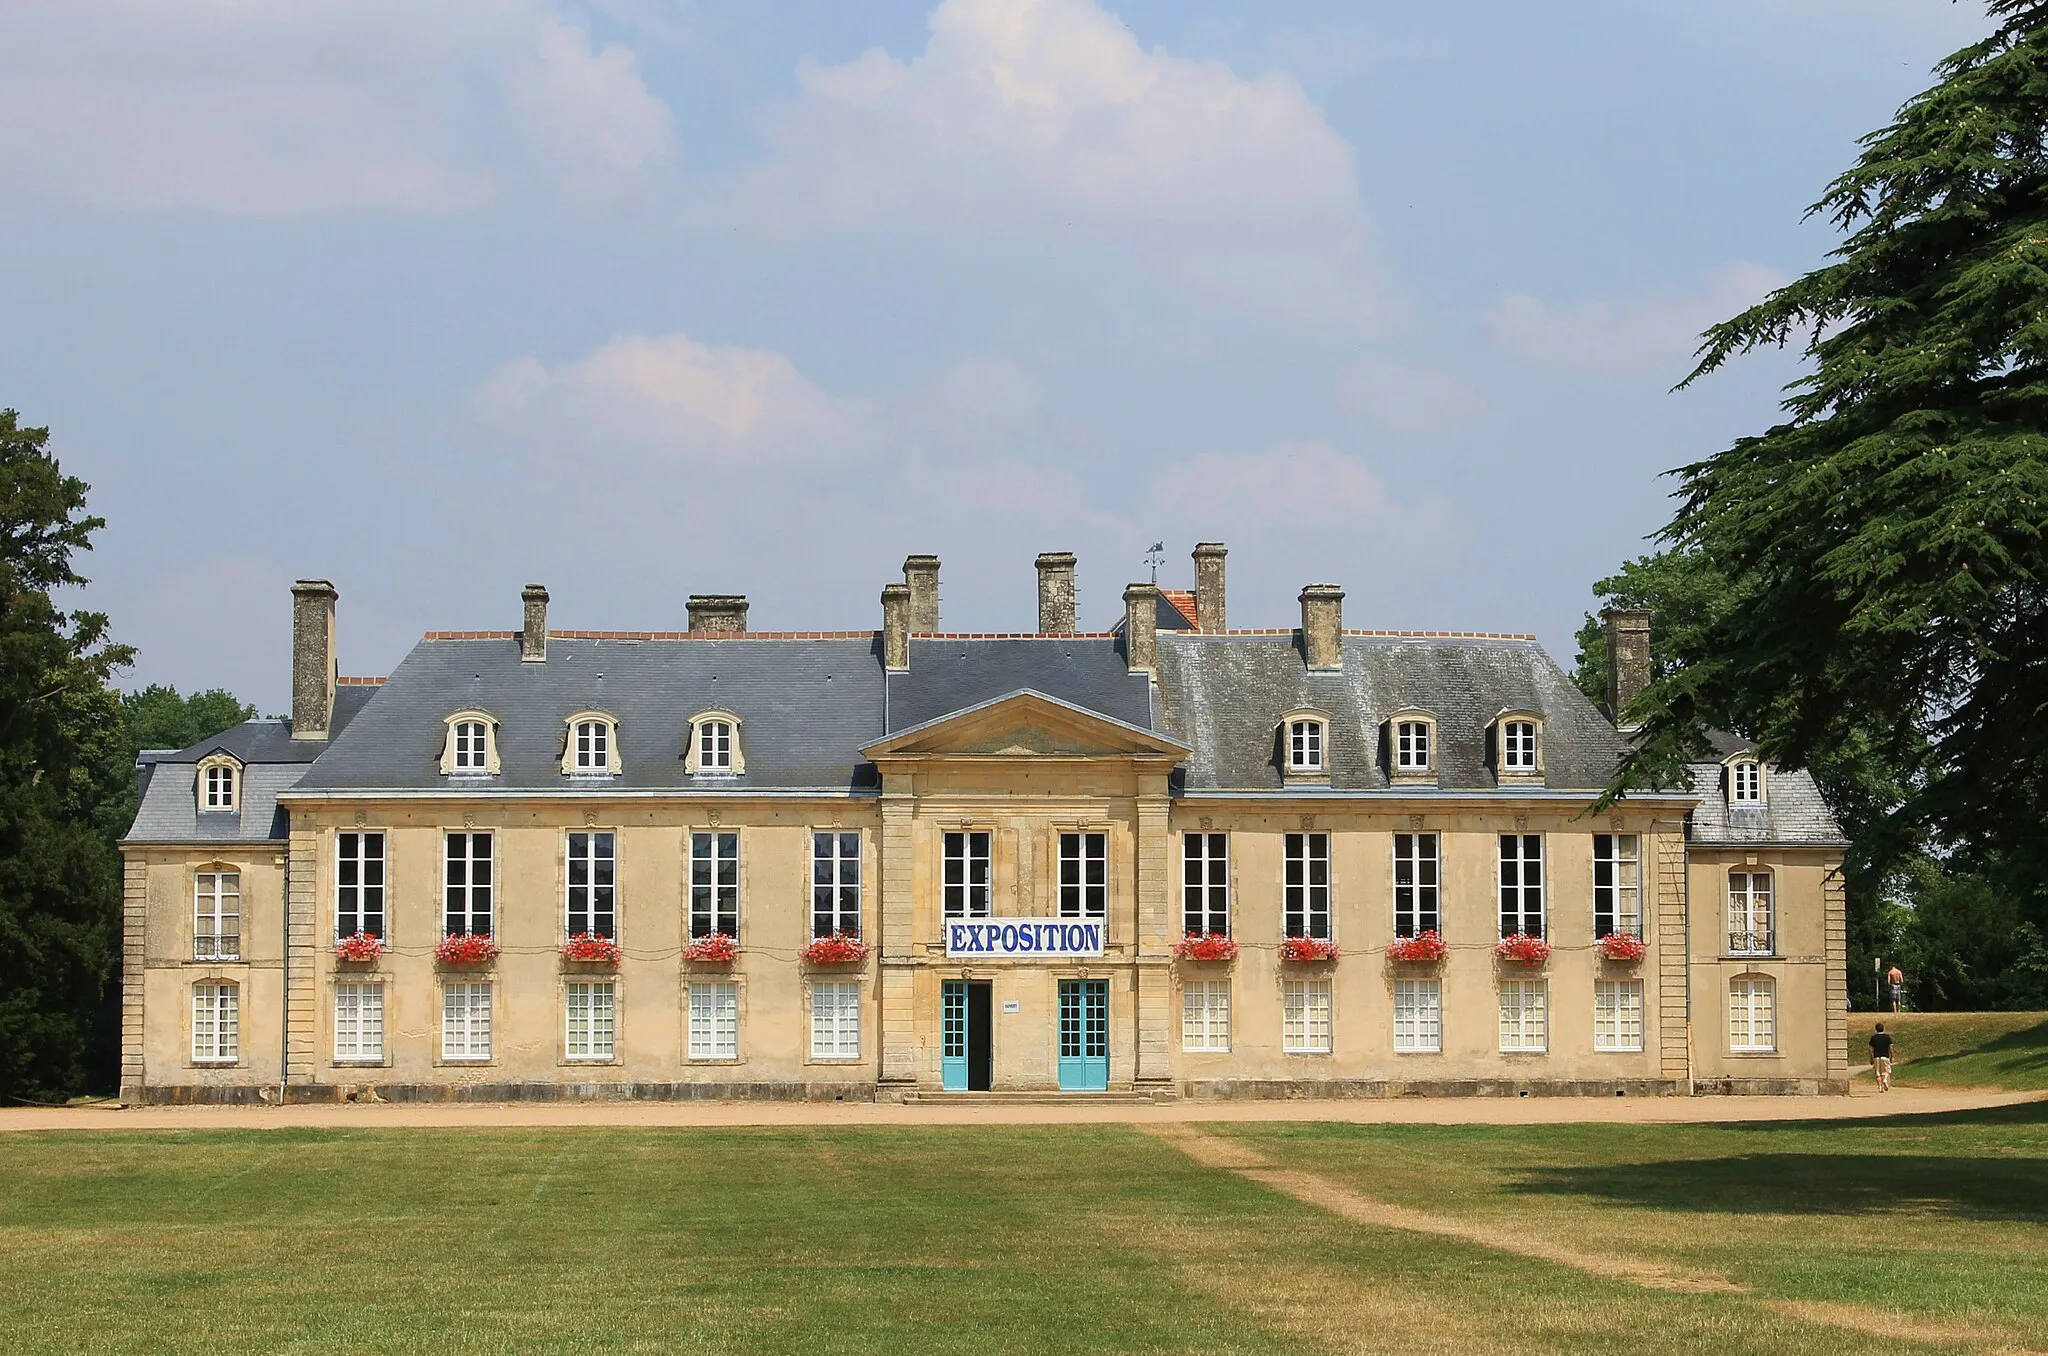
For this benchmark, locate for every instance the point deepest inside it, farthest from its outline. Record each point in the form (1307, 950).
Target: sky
(645, 298)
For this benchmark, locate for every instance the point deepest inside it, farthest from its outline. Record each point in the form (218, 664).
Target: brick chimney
(1056, 593)
(718, 613)
(1322, 626)
(1628, 659)
(1209, 585)
(921, 573)
(1141, 627)
(896, 627)
(533, 636)
(312, 658)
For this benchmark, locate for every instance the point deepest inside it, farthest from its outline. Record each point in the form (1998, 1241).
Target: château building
(1172, 858)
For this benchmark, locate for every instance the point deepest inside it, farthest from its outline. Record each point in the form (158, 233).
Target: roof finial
(1153, 555)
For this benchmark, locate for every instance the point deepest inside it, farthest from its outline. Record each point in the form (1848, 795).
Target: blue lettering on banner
(1023, 937)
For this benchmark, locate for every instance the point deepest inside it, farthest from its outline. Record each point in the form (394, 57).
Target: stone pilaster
(1154, 933)
(1674, 1050)
(1835, 901)
(303, 954)
(895, 903)
(134, 962)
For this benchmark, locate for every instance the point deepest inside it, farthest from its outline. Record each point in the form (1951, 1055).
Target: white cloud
(1036, 119)
(1407, 397)
(1627, 334)
(306, 107)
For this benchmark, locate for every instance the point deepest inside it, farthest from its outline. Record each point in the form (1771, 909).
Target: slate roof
(1794, 811)
(1224, 695)
(948, 675)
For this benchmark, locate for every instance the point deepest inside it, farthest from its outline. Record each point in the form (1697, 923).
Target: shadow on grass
(1812, 1184)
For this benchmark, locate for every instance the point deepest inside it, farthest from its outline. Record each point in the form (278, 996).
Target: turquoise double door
(966, 1042)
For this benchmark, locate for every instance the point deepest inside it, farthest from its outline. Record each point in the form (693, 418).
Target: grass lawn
(1010, 1239)
(1958, 1049)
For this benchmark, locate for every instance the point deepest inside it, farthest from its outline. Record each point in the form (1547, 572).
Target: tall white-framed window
(466, 1021)
(592, 901)
(1418, 1016)
(1618, 1014)
(1417, 871)
(216, 1023)
(835, 882)
(714, 883)
(218, 785)
(1305, 886)
(358, 884)
(715, 1020)
(1749, 913)
(358, 1023)
(1752, 1014)
(470, 740)
(1746, 781)
(967, 887)
(1306, 736)
(467, 885)
(1205, 1015)
(1617, 884)
(591, 1012)
(217, 915)
(1305, 1026)
(470, 748)
(1412, 745)
(835, 1019)
(593, 745)
(1524, 1016)
(1521, 884)
(1518, 746)
(1205, 883)
(1084, 875)
(714, 746)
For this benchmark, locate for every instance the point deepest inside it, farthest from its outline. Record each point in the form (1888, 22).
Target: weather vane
(1153, 556)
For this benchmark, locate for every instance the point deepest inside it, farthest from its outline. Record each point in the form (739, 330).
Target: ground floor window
(715, 1021)
(1523, 1016)
(593, 1019)
(358, 1021)
(216, 1023)
(1618, 1014)
(1752, 1013)
(466, 1021)
(1305, 1017)
(835, 1019)
(1205, 1015)
(1418, 1016)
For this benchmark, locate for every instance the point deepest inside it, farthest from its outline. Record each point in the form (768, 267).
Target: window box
(1425, 948)
(1622, 946)
(466, 948)
(1522, 949)
(841, 948)
(587, 948)
(1308, 950)
(362, 948)
(1205, 946)
(719, 948)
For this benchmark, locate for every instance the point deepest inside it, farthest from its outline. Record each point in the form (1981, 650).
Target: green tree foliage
(1881, 553)
(59, 736)
(157, 717)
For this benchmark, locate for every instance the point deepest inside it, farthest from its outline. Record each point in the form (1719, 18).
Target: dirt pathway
(1325, 1194)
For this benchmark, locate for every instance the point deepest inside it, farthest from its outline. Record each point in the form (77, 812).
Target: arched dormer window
(1518, 746)
(1305, 744)
(1411, 746)
(714, 746)
(470, 748)
(591, 748)
(1745, 780)
(220, 783)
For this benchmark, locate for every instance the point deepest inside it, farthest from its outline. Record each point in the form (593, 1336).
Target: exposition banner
(1024, 936)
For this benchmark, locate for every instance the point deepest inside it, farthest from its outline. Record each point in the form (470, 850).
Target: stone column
(896, 910)
(1155, 933)
(134, 975)
(304, 938)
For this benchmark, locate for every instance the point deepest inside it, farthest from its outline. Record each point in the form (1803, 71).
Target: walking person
(1881, 1057)
(1897, 979)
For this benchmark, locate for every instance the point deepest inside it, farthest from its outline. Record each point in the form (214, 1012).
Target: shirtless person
(1881, 1057)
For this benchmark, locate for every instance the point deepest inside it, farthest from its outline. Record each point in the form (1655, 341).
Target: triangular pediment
(1026, 724)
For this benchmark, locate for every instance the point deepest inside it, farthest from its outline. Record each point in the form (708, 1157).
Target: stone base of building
(299, 1094)
(1770, 1087)
(1353, 1089)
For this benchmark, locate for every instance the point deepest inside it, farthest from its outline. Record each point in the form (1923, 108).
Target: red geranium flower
(1308, 949)
(841, 948)
(361, 947)
(1205, 946)
(718, 947)
(589, 947)
(466, 948)
(1523, 949)
(1622, 946)
(1422, 948)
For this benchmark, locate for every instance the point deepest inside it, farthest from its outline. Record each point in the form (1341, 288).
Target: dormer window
(1745, 782)
(471, 746)
(220, 784)
(1409, 742)
(1305, 741)
(1518, 746)
(714, 745)
(592, 747)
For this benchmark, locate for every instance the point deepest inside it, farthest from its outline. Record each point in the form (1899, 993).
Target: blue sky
(639, 299)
